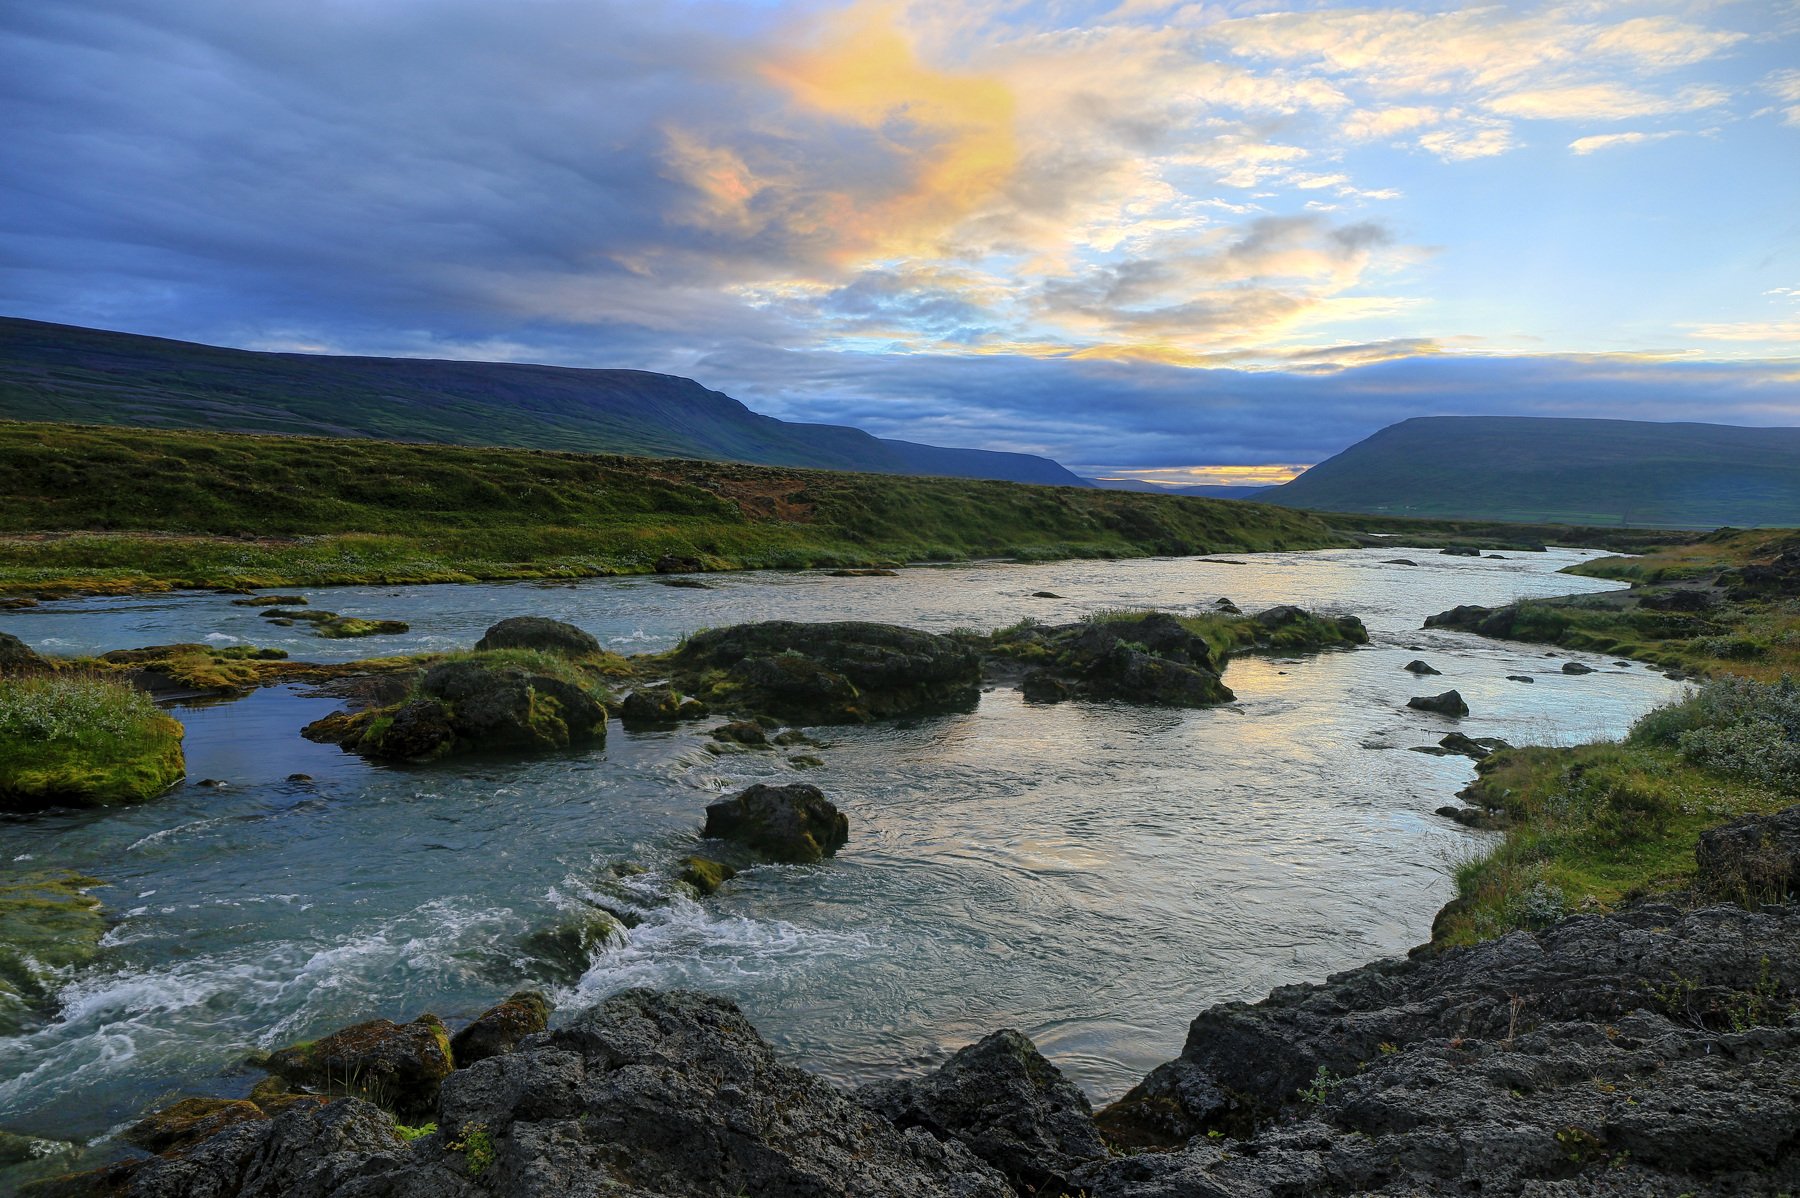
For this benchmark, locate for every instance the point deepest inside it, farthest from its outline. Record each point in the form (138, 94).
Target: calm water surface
(1092, 874)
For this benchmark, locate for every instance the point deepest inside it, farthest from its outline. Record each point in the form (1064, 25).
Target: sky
(1182, 242)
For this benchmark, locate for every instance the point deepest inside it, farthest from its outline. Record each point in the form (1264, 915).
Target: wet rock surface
(1450, 703)
(397, 1064)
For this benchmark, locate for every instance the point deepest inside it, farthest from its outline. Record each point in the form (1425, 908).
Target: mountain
(90, 376)
(1201, 490)
(1547, 469)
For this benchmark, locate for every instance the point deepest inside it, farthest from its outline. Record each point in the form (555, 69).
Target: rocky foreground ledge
(1654, 1051)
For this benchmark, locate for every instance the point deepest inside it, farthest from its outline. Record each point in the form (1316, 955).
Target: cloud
(1476, 139)
(1609, 141)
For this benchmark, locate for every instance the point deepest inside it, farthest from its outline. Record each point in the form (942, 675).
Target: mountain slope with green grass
(123, 509)
(89, 376)
(1589, 472)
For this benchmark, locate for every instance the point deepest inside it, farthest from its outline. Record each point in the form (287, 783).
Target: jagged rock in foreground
(1648, 1052)
(1008, 1105)
(649, 1095)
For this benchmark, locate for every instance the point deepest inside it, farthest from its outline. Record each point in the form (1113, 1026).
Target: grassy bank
(1728, 603)
(1591, 826)
(111, 510)
(79, 740)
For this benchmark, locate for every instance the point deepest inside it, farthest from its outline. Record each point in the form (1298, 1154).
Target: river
(1091, 874)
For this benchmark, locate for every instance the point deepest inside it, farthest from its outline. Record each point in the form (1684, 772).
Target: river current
(1094, 875)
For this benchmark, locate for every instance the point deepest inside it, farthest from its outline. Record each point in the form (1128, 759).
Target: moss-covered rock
(188, 1122)
(794, 823)
(1152, 659)
(162, 669)
(49, 924)
(830, 673)
(81, 741)
(537, 632)
(348, 627)
(703, 875)
(271, 601)
(565, 950)
(496, 700)
(500, 1028)
(398, 1065)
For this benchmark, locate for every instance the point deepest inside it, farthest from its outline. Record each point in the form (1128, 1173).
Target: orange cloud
(954, 130)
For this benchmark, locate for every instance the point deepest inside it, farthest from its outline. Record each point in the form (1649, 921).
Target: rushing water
(1091, 874)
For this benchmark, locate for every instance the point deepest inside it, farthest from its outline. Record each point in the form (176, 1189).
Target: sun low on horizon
(1178, 243)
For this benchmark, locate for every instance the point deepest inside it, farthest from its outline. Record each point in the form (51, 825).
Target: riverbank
(88, 510)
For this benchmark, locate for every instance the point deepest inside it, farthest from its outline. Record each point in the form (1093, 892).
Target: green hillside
(1591, 472)
(88, 376)
(117, 509)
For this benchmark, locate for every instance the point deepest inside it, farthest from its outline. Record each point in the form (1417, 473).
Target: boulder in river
(537, 632)
(1460, 551)
(703, 875)
(1449, 703)
(1005, 1103)
(1520, 678)
(1575, 667)
(659, 706)
(794, 823)
(831, 673)
(496, 699)
(1416, 666)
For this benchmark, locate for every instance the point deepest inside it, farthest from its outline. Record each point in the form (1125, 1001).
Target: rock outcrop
(1004, 1102)
(1152, 659)
(1652, 1050)
(500, 1028)
(16, 657)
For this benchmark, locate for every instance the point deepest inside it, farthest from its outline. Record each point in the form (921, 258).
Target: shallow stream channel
(1092, 874)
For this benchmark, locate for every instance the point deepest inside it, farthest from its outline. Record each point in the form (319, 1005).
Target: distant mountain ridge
(92, 376)
(1561, 470)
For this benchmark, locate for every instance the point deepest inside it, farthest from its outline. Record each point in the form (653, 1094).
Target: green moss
(48, 925)
(345, 627)
(83, 740)
(703, 874)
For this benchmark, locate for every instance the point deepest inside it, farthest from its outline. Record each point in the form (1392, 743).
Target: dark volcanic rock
(1399, 561)
(742, 732)
(188, 1122)
(645, 1096)
(1752, 860)
(1009, 1106)
(832, 673)
(1151, 659)
(794, 823)
(536, 632)
(310, 1150)
(1449, 703)
(1575, 667)
(396, 1064)
(1416, 666)
(1465, 616)
(500, 1028)
(1460, 551)
(1466, 1008)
